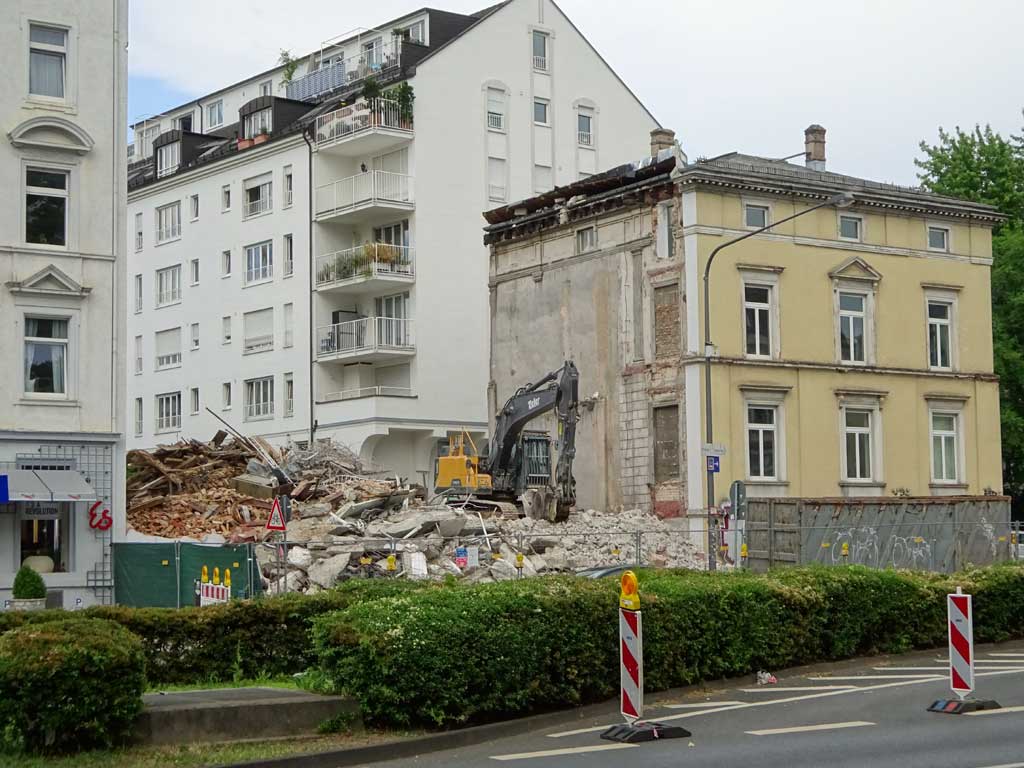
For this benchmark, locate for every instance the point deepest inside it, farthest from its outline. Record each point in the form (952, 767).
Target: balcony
(380, 63)
(367, 268)
(365, 128)
(376, 391)
(256, 206)
(365, 197)
(368, 339)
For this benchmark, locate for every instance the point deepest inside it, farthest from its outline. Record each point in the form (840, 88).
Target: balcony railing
(496, 192)
(165, 423)
(364, 335)
(260, 273)
(363, 188)
(496, 120)
(352, 394)
(289, 407)
(259, 410)
(382, 60)
(172, 360)
(586, 138)
(362, 116)
(168, 297)
(541, 63)
(258, 344)
(168, 233)
(257, 206)
(366, 261)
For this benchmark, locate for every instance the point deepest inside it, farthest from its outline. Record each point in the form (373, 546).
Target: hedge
(69, 684)
(268, 637)
(474, 653)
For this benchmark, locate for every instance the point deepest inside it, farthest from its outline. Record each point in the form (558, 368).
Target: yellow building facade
(852, 348)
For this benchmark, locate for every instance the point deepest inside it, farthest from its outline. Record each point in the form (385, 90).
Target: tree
(984, 167)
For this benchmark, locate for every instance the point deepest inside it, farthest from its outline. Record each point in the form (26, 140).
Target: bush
(28, 585)
(69, 684)
(472, 653)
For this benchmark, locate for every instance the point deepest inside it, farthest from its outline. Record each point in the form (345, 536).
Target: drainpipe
(311, 264)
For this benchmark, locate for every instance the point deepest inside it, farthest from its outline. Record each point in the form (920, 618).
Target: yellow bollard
(392, 565)
(846, 549)
(743, 551)
(519, 560)
(216, 575)
(227, 577)
(206, 575)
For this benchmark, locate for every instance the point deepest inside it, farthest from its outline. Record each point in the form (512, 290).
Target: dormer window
(168, 157)
(257, 123)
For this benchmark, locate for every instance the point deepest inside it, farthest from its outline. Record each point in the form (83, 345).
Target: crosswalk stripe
(774, 689)
(702, 705)
(807, 728)
(564, 751)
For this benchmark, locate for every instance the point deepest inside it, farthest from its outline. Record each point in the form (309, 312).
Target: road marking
(1014, 655)
(938, 669)
(806, 728)
(1002, 662)
(788, 699)
(1006, 765)
(875, 677)
(703, 704)
(565, 751)
(773, 689)
(1003, 711)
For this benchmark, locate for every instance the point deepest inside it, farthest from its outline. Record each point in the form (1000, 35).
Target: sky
(880, 75)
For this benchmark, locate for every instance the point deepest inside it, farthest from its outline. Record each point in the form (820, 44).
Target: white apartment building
(62, 277)
(305, 255)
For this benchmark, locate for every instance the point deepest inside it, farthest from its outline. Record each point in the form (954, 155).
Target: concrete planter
(37, 604)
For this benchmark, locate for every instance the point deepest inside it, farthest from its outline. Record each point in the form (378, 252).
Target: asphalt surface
(871, 712)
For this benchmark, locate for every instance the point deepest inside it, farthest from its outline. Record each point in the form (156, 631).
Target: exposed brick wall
(635, 444)
(666, 321)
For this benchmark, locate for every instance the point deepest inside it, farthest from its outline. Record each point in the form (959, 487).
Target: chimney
(662, 138)
(814, 147)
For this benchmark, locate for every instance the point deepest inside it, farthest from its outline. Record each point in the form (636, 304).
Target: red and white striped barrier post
(960, 626)
(631, 673)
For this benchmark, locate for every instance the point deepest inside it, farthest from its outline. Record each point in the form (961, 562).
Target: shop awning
(48, 485)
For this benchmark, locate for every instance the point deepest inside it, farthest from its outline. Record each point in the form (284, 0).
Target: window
(945, 447)
(146, 136)
(168, 412)
(413, 32)
(852, 323)
(258, 331)
(225, 198)
(289, 395)
(857, 438)
(542, 178)
(168, 349)
(267, 88)
(938, 238)
(259, 262)
(540, 111)
(46, 206)
(665, 245)
(540, 51)
(372, 53)
(755, 216)
(259, 398)
(256, 123)
(193, 204)
(257, 197)
(496, 179)
(666, 443)
(167, 158)
(225, 395)
(289, 311)
(585, 128)
(225, 333)
(225, 263)
(138, 355)
(138, 231)
(138, 293)
(168, 286)
(193, 400)
(849, 228)
(45, 530)
(757, 307)
(761, 442)
(940, 324)
(195, 335)
(288, 189)
(214, 115)
(138, 416)
(666, 318)
(168, 222)
(185, 123)
(47, 61)
(495, 109)
(289, 257)
(586, 239)
(46, 355)
(194, 271)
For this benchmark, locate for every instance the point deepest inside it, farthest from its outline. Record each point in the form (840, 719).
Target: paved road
(865, 713)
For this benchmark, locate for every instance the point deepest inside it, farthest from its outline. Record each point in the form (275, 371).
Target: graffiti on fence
(911, 552)
(861, 546)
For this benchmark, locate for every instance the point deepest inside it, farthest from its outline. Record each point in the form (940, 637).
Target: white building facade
(368, 318)
(62, 280)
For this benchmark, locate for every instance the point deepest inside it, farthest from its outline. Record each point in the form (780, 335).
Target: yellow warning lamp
(206, 575)
(846, 549)
(519, 560)
(743, 550)
(616, 551)
(216, 575)
(365, 560)
(392, 565)
(227, 577)
(629, 596)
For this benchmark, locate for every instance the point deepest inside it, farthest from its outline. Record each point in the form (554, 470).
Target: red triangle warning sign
(276, 520)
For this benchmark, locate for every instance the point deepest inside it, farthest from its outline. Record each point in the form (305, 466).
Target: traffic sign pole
(960, 625)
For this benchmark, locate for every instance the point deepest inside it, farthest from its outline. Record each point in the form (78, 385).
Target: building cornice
(839, 368)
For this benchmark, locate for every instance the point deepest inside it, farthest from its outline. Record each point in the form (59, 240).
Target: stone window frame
(862, 400)
(955, 405)
(943, 295)
(768, 277)
(667, 401)
(767, 396)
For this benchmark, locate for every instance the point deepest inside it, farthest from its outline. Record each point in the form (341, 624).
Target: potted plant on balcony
(404, 96)
(29, 591)
(261, 137)
(243, 143)
(371, 92)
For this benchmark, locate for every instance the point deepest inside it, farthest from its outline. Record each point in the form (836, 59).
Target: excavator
(502, 477)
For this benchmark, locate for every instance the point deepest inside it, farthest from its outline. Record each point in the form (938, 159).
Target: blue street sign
(713, 464)
(4, 494)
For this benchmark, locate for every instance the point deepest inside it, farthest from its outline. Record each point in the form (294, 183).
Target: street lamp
(839, 200)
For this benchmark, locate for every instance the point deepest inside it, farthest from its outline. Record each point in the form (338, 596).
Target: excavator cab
(459, 471)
